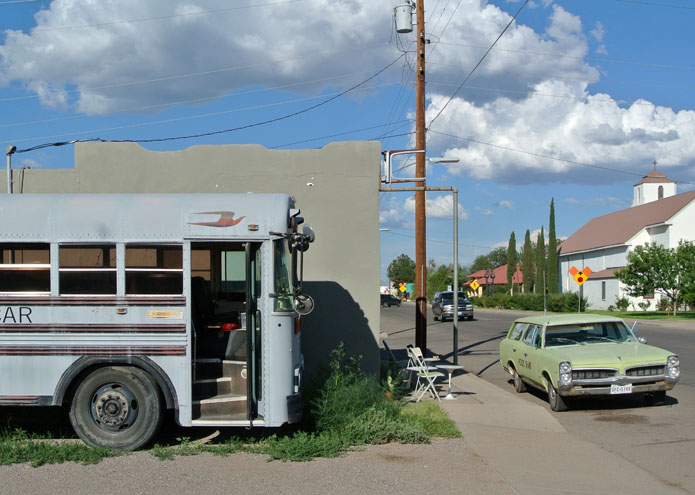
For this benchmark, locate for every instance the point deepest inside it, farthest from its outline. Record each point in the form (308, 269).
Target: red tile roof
(500, 276)
(655, 177)
(619, 227)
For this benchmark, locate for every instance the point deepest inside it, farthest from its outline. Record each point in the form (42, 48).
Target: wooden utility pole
(420, 222)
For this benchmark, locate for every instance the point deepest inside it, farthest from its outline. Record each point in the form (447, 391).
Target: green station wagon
(583, 354)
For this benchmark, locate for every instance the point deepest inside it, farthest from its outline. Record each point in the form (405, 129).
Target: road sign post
(580, 276)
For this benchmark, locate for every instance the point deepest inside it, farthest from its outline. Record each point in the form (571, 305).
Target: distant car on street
(583, 354)
(389, 300)
(443, 306)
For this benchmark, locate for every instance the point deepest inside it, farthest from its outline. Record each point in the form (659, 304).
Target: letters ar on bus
(120, 306)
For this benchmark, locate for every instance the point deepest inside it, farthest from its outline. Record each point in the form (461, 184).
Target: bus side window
(154, 269)
(25, 267)
(87, 269)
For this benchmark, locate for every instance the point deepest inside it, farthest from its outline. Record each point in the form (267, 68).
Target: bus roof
(141, 217)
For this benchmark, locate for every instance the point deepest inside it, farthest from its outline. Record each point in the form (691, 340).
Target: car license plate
(621, 389)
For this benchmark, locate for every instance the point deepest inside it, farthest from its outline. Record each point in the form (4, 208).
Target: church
(658, 214)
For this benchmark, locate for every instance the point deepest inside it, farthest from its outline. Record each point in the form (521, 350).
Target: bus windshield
(283, 284)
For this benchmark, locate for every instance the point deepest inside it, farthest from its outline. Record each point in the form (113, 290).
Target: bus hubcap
(114, 407)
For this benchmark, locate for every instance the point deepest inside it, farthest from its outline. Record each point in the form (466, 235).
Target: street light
(443, 159)
(489, 275)
(455, 320)
(9, 151)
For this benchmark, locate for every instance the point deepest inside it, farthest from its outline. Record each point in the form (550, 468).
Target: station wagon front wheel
(519, 385)
(557, 403)
(117, 407)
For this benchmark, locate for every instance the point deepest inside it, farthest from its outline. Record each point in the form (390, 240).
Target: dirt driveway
(445, 466)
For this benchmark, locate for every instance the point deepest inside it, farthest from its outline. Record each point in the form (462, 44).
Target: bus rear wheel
(117, 407)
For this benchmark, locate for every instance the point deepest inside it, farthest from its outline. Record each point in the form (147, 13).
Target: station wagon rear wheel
(116, 407)
(519, 385)
(557, 403)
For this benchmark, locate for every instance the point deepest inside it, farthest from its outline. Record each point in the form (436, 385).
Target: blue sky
(575, 102)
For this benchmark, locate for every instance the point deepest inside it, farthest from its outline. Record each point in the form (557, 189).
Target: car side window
(517, 330)
(532, 335)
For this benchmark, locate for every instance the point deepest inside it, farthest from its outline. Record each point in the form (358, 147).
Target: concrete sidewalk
(532, 452)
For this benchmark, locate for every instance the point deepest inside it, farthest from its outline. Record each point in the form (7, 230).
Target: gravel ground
(445, 466)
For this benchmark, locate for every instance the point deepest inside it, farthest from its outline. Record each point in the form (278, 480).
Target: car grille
(593, 374)
(647, 370)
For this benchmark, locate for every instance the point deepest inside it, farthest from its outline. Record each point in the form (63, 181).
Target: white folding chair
(426, 374)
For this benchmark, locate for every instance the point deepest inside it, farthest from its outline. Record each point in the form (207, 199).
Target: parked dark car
(443, 306)
(389, 300)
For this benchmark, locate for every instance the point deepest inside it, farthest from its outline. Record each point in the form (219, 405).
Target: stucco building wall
(336, 188)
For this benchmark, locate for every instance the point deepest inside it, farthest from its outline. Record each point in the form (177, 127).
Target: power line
(247, 126)
(193, 100)
(657, 4)
(328, 136)
(429, 239)
(479, 62)
(574, 57)
(18, 1)
(160, 18)
(180, 76)
(550, 157)
(191, 117)
(535, 93)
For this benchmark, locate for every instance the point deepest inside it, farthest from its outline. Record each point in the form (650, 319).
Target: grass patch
(17, 446)
(346, 409)
(432, 419)
(648, 315)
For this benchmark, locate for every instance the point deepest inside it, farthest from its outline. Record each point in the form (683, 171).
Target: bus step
(226, 406)
(211, 387)
(216, 368)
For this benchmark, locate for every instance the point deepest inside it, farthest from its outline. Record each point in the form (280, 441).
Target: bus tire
(116, 407)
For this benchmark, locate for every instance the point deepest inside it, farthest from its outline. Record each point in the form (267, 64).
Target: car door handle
(525, 354)
(513, 350)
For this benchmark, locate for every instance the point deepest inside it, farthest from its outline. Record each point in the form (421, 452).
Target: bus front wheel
(117, 407)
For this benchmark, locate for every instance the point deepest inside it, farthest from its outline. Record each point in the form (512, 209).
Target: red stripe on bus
(93, 327)
(92, 351)
(7, 300)
(7, 400)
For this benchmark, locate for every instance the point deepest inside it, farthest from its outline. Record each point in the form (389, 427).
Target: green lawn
(647, 315)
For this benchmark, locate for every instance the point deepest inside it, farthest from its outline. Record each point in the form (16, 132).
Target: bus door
(253, 328)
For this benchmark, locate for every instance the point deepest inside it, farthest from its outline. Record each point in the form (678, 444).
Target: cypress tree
(527, 263)
(553, 275)
(540, 263)
(512, 258)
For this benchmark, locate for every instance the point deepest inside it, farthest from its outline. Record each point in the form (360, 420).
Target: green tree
(541, 281)
(440, 279)
(512, 258)
(402, 269)
(552, 265)
(527, 263)
(653, 268)
(495, 258)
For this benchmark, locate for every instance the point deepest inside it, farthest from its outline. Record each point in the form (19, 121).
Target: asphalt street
(661, 440)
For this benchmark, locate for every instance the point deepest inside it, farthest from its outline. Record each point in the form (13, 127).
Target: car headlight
(565, 373)
(673, 366)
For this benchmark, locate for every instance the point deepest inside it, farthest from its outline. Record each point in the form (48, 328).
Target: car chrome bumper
(462, 312)
(640, 384)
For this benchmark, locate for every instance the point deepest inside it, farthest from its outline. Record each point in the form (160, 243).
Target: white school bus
(120, 306)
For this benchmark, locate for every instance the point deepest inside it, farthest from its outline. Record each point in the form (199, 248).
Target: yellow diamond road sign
(402, 288)
(474, 285)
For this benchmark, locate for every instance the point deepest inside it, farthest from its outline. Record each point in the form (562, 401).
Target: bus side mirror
(303, 304)
(309, 233)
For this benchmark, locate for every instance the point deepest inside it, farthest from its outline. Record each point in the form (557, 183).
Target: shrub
(562, 303)
(622, 303)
